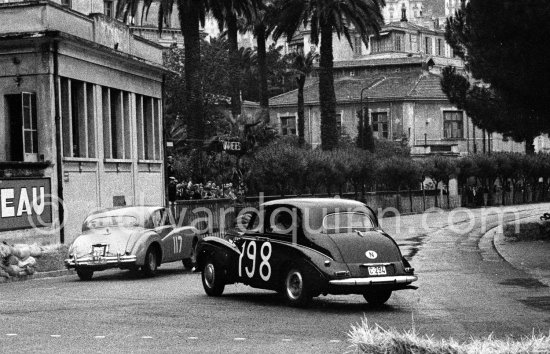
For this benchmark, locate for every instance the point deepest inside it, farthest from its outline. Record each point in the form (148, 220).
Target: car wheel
(296, 291)
(149, 268)
(85, 274)
(212, 279)
(191, 262)
(377, 297)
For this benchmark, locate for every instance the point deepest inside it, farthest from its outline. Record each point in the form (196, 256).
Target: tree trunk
(301, 124)
(529, 146)
(190, 21)
(262, 69)
(234, 70)
(327, 97)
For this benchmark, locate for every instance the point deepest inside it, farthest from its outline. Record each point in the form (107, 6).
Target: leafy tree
(439, 169)
(501, 43)
(323, 18)
(387, 148)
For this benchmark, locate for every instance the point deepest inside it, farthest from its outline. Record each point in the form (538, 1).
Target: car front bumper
(390, 280)
(103, 262)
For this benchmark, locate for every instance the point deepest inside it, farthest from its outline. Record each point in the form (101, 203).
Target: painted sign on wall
(25, 203)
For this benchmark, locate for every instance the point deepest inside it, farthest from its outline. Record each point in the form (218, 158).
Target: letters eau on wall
(25, 203)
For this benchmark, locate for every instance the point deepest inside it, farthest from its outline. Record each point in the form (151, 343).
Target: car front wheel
(85, 274)
(377, 297)
(212, 279)
(295, 289)
(150, 266)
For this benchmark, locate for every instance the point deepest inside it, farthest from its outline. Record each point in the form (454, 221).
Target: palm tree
(324, 17)
(227, 13)
(303, 65)
(192, 16)
(261, 26)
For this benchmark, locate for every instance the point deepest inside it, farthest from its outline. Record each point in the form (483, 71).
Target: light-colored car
(131, 238)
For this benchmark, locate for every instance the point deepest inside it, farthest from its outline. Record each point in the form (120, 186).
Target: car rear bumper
(118, 261)
(389, 280)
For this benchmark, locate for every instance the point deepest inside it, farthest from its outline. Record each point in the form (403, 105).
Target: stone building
(80, 118)
(397, 76)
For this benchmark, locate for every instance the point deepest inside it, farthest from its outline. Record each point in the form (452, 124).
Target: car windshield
(345, 222)
(113, 220)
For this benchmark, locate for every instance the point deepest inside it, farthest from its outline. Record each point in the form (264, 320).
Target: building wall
(406, 120)
(106, 98)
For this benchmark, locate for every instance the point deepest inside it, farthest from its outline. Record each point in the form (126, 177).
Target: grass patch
(52, 258)
(375, 339)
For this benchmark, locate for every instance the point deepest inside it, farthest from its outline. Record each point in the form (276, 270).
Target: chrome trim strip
(73, 262)
(400, 279)
(374, 264)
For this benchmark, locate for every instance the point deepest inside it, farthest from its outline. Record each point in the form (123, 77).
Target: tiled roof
(391, 87)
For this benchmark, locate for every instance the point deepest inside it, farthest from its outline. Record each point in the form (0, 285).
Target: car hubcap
(294, 285)
(209, 275)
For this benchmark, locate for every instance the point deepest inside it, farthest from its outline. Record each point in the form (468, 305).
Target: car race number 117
(254, 259)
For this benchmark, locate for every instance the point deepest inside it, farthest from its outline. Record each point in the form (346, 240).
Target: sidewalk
(533, 257)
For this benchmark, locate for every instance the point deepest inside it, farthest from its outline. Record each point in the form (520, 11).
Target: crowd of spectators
(209, 190)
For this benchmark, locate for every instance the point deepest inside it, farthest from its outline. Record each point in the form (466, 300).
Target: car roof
(331, 203)
(129, 210)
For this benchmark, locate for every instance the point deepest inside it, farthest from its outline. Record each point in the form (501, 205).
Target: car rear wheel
(149, 268)
(296, 291)
(212, 279)
(85, 274)
(377, 297)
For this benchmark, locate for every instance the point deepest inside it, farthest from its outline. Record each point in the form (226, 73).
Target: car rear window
(114, 220)
(345, 222)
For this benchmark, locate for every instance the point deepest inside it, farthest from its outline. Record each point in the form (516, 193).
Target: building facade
(80, 118)
(397, 80)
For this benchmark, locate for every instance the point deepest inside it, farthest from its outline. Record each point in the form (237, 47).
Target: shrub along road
(465, 289)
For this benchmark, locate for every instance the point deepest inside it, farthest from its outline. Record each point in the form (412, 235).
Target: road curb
(39, 275)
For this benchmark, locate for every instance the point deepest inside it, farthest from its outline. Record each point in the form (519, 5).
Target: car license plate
(378, 270)
(99, 251)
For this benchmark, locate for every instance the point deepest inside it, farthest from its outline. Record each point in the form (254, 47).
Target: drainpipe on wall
(58, 147)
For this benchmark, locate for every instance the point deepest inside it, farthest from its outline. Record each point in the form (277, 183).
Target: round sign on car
(371, 254)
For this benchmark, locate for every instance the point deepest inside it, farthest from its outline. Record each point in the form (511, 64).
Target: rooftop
(396, 86)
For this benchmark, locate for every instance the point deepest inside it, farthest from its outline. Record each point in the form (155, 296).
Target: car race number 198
(248, 263)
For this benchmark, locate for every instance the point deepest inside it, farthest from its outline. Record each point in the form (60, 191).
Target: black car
(304, 248)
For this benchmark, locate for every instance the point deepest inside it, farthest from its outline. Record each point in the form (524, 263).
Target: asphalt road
(465, 289)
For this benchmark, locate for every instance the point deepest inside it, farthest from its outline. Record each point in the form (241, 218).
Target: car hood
(115, 238)
(354, 247)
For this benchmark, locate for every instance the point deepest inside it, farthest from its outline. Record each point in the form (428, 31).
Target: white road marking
(147, 337)
(55, 335)
(334, 341)
(192, 337)
(287, 340)
(238, 338)
(99, 337)
(11, 334)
